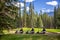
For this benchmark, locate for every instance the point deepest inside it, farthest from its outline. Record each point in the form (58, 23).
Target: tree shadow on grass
(58, 37)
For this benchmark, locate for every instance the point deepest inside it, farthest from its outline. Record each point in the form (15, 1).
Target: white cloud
(47, 10)
(17, 4)
(43, 10)
(22, 9)
(27, 8)
(29, 0)
(53, 3)
(22, 4)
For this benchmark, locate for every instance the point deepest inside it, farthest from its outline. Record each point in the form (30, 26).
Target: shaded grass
(30, 37)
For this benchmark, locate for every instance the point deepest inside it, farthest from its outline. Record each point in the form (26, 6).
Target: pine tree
(45, 19)
(28, 20)
(55, 13)
(39, 22)
(24, 14)
(7, 14)
(19, 20)
(31, 11)
(58, 17)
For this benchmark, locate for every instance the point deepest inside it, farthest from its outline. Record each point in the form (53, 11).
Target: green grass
(53, 30)
(35, 29)
(29, 37)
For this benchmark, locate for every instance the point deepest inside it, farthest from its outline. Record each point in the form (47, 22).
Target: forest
(12, 17)
(14, 20)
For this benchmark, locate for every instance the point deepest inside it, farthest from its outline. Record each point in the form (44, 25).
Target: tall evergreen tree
(7, 19)
(39, 23)
(45, 19)
(24, 14)
(55, 13)
(58, 17)
(19, 20)
(31, 11)
(28, 20)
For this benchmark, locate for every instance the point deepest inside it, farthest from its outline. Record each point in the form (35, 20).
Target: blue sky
(44, 5)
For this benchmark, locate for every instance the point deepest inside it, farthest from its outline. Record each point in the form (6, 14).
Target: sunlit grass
(53, 30)
(29, 29)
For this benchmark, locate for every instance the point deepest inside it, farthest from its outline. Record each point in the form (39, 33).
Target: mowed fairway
(29, 37)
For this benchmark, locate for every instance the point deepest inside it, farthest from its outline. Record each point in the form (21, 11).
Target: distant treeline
(12, 16)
